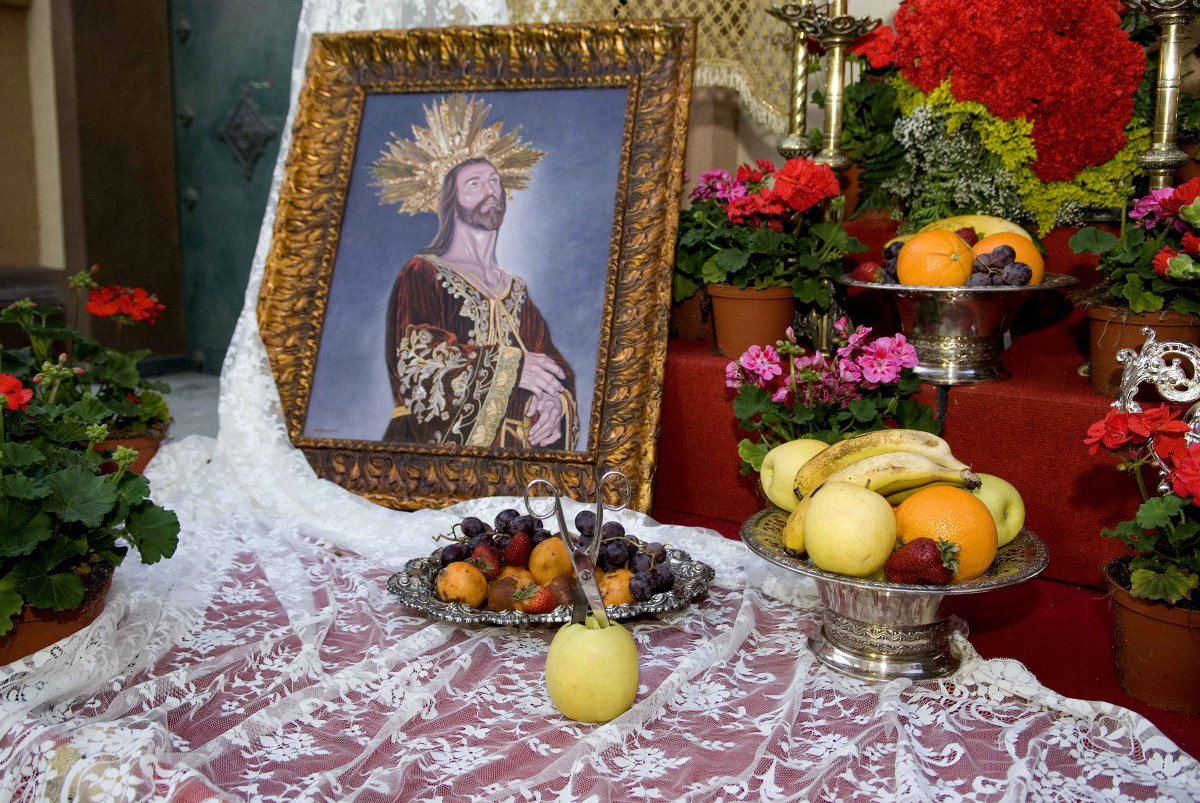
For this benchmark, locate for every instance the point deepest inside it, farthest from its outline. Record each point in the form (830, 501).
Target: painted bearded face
(480, 196)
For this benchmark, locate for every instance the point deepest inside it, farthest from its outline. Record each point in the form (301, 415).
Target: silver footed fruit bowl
(958, 332)
(878, 630)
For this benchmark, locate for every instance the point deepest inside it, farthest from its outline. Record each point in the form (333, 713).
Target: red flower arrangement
(1067, 67)
(1166, 531)
(877, 47)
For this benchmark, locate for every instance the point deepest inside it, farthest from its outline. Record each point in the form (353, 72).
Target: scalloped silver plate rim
(1050, 281)
(414, 587)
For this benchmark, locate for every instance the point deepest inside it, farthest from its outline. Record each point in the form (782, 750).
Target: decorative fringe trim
(732, 76)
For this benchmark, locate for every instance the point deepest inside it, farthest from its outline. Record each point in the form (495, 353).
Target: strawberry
(923, 560)
(534, 598)
(487, 560)
(867, 272)
(968, 235)
(518, 549)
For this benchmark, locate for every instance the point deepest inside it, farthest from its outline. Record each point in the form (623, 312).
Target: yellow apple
(778, 473)
(849, 529)
(1005, 504)
(592, 671)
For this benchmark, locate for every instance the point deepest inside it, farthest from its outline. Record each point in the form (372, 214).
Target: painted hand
(546, 430)
(541, 375)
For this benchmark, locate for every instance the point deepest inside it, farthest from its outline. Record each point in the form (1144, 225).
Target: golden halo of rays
(410, 172)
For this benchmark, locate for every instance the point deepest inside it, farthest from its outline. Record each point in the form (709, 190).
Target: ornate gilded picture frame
(471, 266)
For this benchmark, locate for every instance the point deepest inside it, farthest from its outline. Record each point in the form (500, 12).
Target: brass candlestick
(1164, 156)
(795, 142)
(830, 25)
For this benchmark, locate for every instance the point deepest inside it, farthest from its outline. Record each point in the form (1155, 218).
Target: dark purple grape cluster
(890, 255)
(999, 268)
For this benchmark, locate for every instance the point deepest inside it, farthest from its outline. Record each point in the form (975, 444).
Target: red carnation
(1185, 194)
(802, 184)
(1160, 261)
(1191, 244)
(876, 47)
(16, 396)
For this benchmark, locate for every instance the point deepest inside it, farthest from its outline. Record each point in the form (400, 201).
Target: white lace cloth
(266, 661)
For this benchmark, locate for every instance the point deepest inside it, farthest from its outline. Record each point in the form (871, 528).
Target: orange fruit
(939, 258)
(1026, 251)
(957, 515)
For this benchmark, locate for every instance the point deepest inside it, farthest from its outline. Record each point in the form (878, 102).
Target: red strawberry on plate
(923, 560)
(487, 560)
(534, 598)
(867, 272)
(518, 549)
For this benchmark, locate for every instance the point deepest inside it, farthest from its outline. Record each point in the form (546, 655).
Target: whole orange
(955, 514)
(1026, 251)
(939, 258)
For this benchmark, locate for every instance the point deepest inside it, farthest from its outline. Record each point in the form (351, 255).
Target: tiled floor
(193, 401)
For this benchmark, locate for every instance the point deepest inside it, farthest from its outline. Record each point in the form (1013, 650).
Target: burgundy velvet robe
(455, 352)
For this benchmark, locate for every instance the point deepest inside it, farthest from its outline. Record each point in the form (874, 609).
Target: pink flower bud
(79, 370)
(37, 379)
(62, 357)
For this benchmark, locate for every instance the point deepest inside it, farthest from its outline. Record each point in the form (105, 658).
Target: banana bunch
(895, 463)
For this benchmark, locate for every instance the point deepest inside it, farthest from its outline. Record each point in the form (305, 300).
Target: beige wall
(19, 242)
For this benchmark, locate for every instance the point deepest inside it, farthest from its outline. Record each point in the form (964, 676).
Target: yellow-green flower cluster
(1011, 142)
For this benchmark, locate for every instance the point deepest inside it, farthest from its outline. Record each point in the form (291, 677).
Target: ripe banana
(845, 453)
(899, 496)
(793, 531)
(983, 225)
(893, 472)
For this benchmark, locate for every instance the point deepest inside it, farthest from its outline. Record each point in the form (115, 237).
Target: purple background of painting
(555, 236)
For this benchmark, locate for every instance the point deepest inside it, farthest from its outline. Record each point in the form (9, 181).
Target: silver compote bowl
(958, 332)
(878, 630)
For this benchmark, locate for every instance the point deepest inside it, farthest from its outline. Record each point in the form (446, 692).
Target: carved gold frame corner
(654, 60)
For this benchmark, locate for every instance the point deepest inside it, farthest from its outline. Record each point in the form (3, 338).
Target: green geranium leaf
(20, 455)
(912, 414)
(22, 528)
(732, 261)
(751, 401)
(1140, 299)
(67, 431)
(753, 453)
(60, 591)
(11, 602)
(78, 495)
(1169, 585)
(19, 486)
(863, 410)
(809, 291)
(684, 288)
(90, 410)
(1158, 511)
(1128, 532)
(153, 530)
(133, 488)
(831, 233)
(119, 369)
(1186, 306)
(711, 271)
(1092, 241)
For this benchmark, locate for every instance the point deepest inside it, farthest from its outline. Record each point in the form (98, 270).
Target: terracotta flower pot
(749, 317)
(1157, 650)
(1112, 331)
(37, 628)
(691, 319)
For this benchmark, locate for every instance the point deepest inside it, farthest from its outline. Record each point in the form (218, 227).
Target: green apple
(1005, 504)
(849, 529)
(592, 671)
(778, 473)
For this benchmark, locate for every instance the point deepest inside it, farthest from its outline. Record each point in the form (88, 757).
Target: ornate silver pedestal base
(958, 332)
(876, 630)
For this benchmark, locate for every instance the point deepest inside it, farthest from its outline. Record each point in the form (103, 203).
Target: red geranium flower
(1112, 432)
(16, 396)
(144, 307)
(1160, 261)
(1191, 243)
(1156, 421)
(1185, 194)
(105, 301)
(135, 304)
(802, 184)
(877, 46)
(1185, 472)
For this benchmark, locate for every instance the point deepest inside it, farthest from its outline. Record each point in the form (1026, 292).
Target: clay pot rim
(1162, 611)
(1124, 315)
(730, 291)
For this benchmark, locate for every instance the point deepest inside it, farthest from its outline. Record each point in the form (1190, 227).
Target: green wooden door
(231, 69)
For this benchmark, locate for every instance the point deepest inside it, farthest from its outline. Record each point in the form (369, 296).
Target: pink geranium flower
(879, 362)
(710, 184)
(782, 394)
(733, 376)
(762, 362)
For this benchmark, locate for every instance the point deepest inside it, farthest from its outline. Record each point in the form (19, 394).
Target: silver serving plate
(958, 332)
(416, 588)
(878, 630)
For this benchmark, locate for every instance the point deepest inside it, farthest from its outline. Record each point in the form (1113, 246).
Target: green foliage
(61, 509)
(1165, 537)
(1127, 265)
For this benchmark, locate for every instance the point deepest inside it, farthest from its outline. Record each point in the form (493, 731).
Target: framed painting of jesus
(471, 266)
